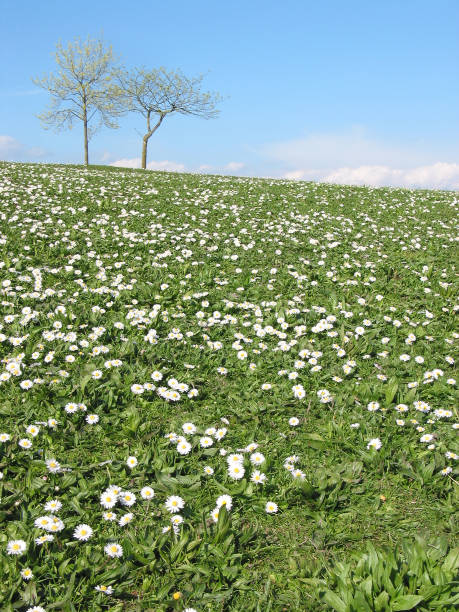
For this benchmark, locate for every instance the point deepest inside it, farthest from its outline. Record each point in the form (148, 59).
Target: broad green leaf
(334, 601)
(406, 602)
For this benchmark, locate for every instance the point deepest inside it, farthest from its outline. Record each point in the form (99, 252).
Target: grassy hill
(222, 393)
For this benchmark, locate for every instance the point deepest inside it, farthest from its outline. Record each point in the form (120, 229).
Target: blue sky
(353, 92)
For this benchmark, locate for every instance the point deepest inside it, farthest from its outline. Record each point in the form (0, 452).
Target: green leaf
(360, 603)
(391, 391)
(406, 602)
(452, 560)
(381, 602)
(315, 441)
(334, 601)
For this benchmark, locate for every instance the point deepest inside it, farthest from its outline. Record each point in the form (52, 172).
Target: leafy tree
(158, 93)
(82, 89)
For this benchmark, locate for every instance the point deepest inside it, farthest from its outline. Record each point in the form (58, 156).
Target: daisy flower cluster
(174, 345)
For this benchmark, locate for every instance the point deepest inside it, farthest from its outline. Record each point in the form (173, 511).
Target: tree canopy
(160, 92)
(82, 88)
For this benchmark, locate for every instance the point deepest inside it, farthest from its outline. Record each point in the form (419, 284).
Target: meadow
(225, 394)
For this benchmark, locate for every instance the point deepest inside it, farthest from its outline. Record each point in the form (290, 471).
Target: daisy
(113, 550)
(82, 532)
(184, 447)
(298, 474)
(257, 458)
(271, 507)
(27, 573)
(236, 472)
(55, 525)
(53, 506)
(92, 419)
(42, 522)
(131, 462)
(16, 547)
(25, 443)
(108, 499)
(421, 406)
(174, 503)
(224, 500)
(215, 514)
(298, 391)
(374, 443)
(44, 538)
(125, 519)
(189, 428)
(108, 590)
(137, 389)
(208, 470)
(293, 421)
(206, 441)
(109, 516)
(147, 493)
(53, 466)
(32, 430)
(220, 433)
(258, 477)
(235, 459)
(127, 498)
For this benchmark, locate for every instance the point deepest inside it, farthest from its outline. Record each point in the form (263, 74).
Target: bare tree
(82, 89)
(157, 93)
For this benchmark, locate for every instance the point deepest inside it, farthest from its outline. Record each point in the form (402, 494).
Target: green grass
(93, 259)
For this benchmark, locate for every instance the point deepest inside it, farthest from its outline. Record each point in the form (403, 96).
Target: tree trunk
(86, 156)
(144, 152)
(150, 132)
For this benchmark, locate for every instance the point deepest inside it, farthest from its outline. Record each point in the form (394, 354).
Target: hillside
(222, 393)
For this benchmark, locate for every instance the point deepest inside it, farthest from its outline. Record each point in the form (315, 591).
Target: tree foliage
(82, 88)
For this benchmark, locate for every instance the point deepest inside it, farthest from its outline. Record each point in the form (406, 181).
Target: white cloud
(127, 163)
(354, 157)
(233, 166)
(440, 175)
(166, 165)
(9, 145)
(351, 148)
(170, 166)
(13, 150)
(105, 157)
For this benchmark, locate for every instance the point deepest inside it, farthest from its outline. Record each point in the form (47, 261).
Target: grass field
(223, 393)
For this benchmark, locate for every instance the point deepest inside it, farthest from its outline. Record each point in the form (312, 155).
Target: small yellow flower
(176, 595)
